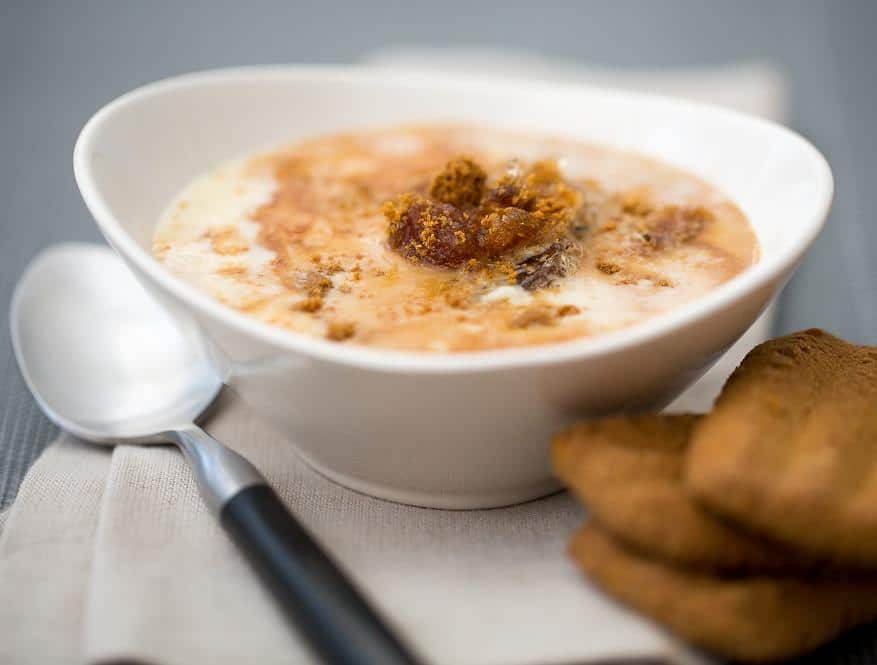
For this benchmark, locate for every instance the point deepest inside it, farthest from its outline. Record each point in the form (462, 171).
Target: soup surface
(451, 238)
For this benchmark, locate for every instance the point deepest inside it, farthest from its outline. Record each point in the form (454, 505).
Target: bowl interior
(137, 152)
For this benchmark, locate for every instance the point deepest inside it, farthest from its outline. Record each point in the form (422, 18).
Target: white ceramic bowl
(453, 431)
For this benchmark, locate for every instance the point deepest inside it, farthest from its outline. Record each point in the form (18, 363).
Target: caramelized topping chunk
(541, 191)
(430, 231)
(463, 224)
(506, 229)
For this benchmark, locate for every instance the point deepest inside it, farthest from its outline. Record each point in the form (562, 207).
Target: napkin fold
(109, 555)
(46, 547)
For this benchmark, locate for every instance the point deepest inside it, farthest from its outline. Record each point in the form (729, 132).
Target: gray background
(60, 61)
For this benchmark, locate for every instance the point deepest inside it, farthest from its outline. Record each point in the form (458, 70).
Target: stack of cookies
(750, 531)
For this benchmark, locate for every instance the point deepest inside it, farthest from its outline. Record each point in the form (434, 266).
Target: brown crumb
(338, 331)
(568, 310)
(310, 304)
(508, 270)
(637, 201)
(316, 284)
(461, 183)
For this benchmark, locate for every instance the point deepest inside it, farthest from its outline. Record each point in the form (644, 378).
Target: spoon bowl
(102, 359)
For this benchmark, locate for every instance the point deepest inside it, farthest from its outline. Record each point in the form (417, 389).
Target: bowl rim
(766, 270)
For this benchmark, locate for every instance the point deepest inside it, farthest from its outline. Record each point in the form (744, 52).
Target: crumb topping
(338, 331)
(463, 223)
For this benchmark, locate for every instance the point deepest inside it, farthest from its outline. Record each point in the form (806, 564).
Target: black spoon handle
(314, 592)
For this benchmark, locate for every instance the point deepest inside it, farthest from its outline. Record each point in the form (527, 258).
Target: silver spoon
(108, 365)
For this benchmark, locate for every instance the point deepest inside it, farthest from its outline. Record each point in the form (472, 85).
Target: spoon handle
(331, 613)
(315, 593)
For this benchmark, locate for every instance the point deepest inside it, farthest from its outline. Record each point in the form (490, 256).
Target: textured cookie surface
(628, 471)
(790, 449)
(752, 619)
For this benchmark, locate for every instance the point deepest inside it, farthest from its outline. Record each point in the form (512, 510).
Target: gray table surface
(60, 61)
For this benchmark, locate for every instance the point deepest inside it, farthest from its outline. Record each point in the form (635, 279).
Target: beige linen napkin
(112, 555)
(46, 549)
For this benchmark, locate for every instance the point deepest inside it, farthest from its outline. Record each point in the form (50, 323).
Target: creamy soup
(451, 238)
